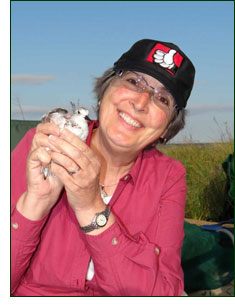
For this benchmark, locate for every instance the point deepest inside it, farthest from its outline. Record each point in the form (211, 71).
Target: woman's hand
(78, 167)
(41, 194)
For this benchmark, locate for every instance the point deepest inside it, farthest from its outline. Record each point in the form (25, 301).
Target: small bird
(76, 123)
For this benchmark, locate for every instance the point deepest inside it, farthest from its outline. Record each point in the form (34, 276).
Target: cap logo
(167, 58)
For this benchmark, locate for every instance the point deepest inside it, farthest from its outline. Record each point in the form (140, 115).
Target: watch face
(101, 220)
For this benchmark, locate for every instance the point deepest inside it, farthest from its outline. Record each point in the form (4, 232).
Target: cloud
(29, 112)
(199, 83)
(31, 79)
(199, 109)
(30, 108)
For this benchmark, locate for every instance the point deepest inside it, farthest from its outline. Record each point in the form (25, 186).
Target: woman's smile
(129, 120)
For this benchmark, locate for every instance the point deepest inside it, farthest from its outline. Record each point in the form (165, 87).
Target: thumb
(39, 157)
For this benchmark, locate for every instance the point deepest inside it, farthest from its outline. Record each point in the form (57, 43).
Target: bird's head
(83, 113)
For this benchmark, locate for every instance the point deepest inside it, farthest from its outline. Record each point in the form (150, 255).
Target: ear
(164, 133)
(162, 136)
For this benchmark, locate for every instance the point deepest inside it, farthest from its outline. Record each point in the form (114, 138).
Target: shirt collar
(134, 170)
(93, 125)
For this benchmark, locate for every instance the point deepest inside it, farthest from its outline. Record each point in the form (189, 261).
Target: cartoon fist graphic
(165, 59)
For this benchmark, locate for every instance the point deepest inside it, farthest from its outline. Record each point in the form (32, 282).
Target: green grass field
(205, 178)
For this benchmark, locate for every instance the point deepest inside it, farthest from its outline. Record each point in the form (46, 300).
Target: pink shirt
(140, 254)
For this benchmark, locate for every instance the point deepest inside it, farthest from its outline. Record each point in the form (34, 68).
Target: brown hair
(176, 124)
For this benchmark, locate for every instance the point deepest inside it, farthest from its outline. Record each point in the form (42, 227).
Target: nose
(141, 101)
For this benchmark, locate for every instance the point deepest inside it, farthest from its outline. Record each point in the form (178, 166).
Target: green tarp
(19, 128)
(207, 259)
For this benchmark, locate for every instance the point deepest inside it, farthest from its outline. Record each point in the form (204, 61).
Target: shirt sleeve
(25, 237)
(18, 167)
(24, 232)
(132, 265)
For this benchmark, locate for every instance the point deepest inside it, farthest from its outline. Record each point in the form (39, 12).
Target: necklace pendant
(103, 193)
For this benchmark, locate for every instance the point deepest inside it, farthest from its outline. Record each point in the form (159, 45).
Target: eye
(163, 100)
(132, 81)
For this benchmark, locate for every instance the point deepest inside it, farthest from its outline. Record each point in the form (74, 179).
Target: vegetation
(206, 179)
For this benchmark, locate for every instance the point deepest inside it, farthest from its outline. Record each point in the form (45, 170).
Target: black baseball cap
(164, 62)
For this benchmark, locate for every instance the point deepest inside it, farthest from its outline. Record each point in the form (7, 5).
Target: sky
(58, 48)
(55, 50)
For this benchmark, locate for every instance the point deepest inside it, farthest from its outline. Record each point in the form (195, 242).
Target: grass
(206, 179)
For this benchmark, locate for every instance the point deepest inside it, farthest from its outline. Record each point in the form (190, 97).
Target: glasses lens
(160, 96)
(133, 82)
(163, 99)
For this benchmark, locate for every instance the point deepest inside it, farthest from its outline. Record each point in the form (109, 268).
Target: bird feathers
(75, 122)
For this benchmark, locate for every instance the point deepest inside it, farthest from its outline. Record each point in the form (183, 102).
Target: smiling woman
(175, 114)
(133, 118)
(119, 218)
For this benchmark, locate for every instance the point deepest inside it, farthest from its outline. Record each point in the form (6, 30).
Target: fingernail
(52, 138)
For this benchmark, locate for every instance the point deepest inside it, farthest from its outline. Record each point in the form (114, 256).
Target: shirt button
(126, 177)
(157, 251)
(114, 241)
(15, 225)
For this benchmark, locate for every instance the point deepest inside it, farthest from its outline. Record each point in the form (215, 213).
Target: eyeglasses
(161, 97)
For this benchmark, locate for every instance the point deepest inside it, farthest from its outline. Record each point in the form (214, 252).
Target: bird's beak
(88, 119)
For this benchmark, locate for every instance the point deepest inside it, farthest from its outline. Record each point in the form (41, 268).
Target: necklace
(102, 186)
(107, 185)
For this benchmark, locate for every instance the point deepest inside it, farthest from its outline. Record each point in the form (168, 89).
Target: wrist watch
(100, 220)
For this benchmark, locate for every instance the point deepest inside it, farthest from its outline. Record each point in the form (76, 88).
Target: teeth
(129, 120)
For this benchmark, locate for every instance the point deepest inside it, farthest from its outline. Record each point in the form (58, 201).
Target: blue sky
(59, 47)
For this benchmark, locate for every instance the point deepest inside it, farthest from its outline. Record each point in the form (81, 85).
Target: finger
(41, 139)
(65, 162)
(63, 175)
(89, 164)
(72, 147)
(39, 157)
(48, 128)
(70, 151)
(78, 143)
(71, 183)
(70, 137)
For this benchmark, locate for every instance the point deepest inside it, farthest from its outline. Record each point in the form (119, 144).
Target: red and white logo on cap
(167, 58)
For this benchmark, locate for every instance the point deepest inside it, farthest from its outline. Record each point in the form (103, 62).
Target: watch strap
(93, 224)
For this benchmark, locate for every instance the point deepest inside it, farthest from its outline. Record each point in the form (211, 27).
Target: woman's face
(130, 120)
